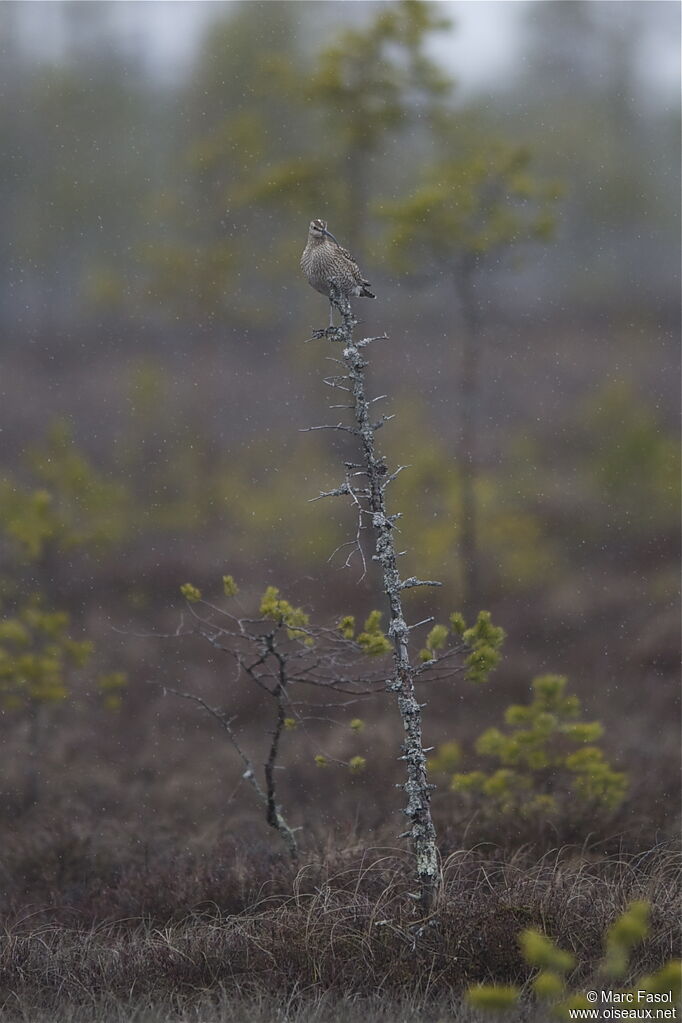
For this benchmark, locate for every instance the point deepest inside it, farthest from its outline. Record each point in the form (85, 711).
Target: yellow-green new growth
(484, 641)
(36, 653)
(191, 593)
(625, 934)
(111, 687)
(457, 623)
(230, 588)
(550, 985)
(539, 764)
(667, 979)
(373, 640)
(435, 641)
(347, 626)
(539, 950)
(447, 758)
(493, 997)
(281, 611)
(357, 765)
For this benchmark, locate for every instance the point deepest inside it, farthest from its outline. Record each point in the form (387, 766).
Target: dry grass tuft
(252, 933)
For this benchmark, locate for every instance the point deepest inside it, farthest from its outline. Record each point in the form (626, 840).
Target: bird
(327, 265)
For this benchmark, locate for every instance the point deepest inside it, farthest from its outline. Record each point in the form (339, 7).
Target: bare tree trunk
(274, 815)
(418, 809)
(273, 812)
(468, 442)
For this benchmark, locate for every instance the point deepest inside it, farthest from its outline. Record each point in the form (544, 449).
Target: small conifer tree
(547, 764)
(465, 213)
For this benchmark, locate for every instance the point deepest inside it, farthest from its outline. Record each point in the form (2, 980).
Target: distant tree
(77, 146)
(60, 503)
(206, 229)
(272, 137)
(367, 88)
(459, 221)
(582, 93)
(37, 659)
(68, 505)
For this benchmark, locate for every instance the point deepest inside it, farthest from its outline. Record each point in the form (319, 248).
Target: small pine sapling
(548, 763)
(552, 966)
(37, 660)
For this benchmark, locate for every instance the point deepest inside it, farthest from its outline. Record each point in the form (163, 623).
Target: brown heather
(234, 934)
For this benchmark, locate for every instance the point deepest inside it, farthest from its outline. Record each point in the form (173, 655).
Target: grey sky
(485, 47)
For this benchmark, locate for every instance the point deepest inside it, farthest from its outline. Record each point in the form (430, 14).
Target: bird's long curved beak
(330, 235)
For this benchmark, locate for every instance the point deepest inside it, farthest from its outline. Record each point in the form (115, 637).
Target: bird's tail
(366, 293)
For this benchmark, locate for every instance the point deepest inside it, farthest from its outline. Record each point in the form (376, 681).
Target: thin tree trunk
(274, 815)
(468, 442)
(418, 809)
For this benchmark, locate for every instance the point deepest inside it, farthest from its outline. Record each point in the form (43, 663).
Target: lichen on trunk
(372, 502)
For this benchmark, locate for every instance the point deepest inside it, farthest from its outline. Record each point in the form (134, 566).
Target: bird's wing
(356, 269)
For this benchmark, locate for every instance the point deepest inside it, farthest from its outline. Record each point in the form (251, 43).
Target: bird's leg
(329, 331)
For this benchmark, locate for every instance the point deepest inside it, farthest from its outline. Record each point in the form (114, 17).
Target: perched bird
(327, 265)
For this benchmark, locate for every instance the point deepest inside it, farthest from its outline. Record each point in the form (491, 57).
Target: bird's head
(318, 230)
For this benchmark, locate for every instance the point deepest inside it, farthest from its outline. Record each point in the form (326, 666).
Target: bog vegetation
(201, 759)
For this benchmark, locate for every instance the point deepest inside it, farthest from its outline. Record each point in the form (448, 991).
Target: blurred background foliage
(153, 319)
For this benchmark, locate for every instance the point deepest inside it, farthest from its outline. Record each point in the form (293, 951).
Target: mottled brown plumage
(327, 265)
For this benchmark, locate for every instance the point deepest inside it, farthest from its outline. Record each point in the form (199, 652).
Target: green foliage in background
(37, 656)
(625, 468)
(366, 88)
(374, 76)
(469, 209)
(633, 461)
(68, 504)
(39, 659)
(275, 130)
(61, 501)
(551, 965)
(624, 472)
(62, 504)
(311, 112)
(548, 762)
(111, 687)
(518, 548)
